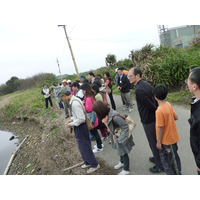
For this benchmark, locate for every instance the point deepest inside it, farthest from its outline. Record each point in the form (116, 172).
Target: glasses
(130, 76)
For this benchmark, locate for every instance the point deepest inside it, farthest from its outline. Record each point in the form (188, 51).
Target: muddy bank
(50, 147)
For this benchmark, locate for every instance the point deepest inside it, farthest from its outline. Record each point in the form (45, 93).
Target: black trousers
(150, 130)
(125, 160)
(195, 145)
(95, 133)
(46, 101)
(112, 101)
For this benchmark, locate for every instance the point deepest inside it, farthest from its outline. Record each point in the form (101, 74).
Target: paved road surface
(139, 156)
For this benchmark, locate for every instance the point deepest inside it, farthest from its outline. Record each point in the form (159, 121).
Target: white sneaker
(130, 110)
(93, 169)
(95, 146)
(119, 165)
(85, 166)
(125, 109)
(104, 138)
(123, 172)
(97, 150)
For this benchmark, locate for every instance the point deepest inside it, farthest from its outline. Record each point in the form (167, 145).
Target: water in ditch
(7, 147)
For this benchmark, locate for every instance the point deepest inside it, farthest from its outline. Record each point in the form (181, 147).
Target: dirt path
(6, 100)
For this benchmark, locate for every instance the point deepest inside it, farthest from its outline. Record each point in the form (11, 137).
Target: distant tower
(163, 32)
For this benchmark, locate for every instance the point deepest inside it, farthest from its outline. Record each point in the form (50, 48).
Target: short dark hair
(101, 109)
(85, 80)
(75, 84)
(195, 76)
(136, 71)
(160, 91)
(120, 69)
(67, 93)
(91, 74)
(44, 85)
(99, 75)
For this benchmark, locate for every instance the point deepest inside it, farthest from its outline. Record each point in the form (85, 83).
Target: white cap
(68, 81)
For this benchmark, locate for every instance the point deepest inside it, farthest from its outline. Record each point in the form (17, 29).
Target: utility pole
(70, 50)
(59, 69)
(195, 38)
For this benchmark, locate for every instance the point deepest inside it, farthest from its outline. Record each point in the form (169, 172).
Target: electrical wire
(112, 40)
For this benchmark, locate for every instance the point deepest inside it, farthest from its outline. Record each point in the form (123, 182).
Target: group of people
(93, 97)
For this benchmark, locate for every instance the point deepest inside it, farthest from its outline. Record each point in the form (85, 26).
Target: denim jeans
(61, 104)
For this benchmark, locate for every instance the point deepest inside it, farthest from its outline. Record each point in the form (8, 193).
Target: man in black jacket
(124, 87)
(147, 107)
(193, 83)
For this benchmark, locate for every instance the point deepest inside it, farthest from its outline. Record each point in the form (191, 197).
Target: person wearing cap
(69, 83)
(56, 88)
(80, 130)
(91, 77)
(77, 91)
(66, 104)
(82, 78)
(116, 76)
(124, 71)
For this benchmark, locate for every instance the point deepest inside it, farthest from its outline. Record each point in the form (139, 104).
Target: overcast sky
(31, 41)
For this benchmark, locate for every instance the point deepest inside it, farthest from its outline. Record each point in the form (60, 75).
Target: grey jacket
(59, 87)
(123, 143)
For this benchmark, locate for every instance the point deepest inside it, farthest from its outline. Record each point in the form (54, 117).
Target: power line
(111, 40)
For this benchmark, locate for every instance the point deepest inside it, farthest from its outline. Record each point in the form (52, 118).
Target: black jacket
(146, 103)
(124, 83)
(194, 120)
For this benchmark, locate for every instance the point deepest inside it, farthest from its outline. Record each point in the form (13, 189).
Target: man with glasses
(193, 83)
(147, 107)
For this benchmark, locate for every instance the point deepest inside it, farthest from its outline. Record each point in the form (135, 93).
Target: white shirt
(80, 94)
(46, 91)
(78, 113)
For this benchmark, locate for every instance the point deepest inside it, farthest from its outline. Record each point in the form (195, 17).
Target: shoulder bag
(108, 90)
(131, 124)
(87, 119)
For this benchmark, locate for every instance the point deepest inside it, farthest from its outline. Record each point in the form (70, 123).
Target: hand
(159, 145)
(68, 125)
(197, 169)
(68, 121)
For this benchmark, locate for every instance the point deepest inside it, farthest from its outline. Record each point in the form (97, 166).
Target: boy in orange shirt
(166, 132)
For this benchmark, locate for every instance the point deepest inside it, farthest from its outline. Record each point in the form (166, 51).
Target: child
(166, 132)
